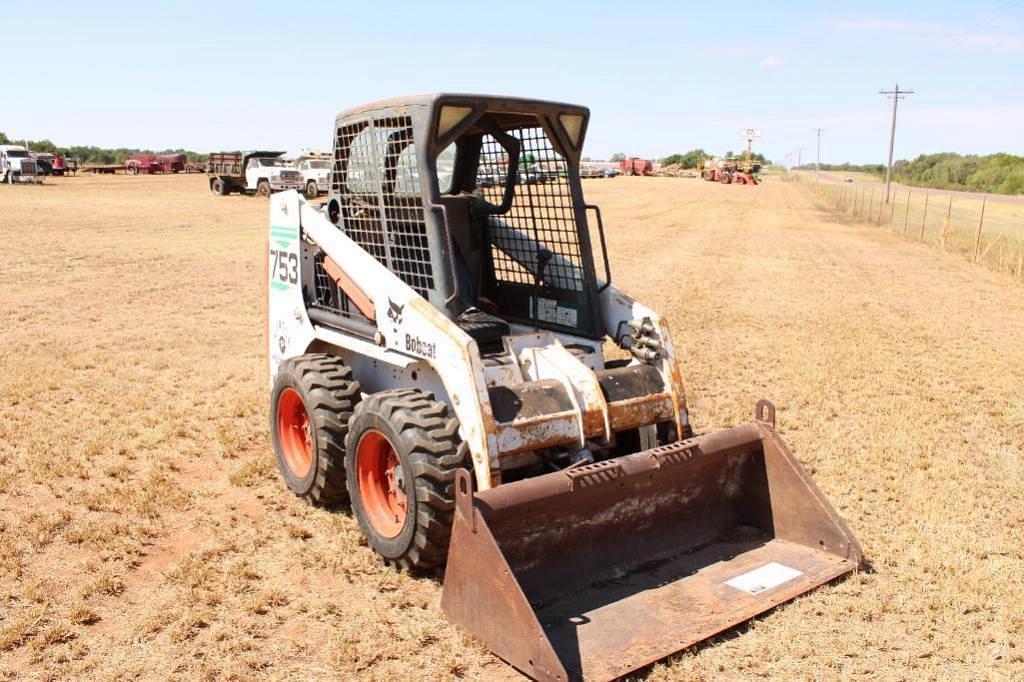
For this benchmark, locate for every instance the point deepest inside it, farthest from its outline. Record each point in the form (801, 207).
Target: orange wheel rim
(382, 484)
(293, 433)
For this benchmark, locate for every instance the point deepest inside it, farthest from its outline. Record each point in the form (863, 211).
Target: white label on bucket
(764, 578)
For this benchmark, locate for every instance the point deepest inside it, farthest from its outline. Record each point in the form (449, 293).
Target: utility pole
(896, 96)
(799, 156)
(817, 164)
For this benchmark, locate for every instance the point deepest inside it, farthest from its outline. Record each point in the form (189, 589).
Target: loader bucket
(595, 571)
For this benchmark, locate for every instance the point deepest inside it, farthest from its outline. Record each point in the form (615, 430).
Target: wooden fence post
(892, 209)
(925, 213)
(906, 218)
(977, 237)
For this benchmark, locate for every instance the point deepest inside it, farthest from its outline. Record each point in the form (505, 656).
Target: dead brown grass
(144, 533)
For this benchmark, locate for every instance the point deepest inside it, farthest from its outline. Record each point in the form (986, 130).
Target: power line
(817, 164)
(896, 96)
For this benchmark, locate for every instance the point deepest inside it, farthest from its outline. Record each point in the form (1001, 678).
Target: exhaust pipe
(600, 569)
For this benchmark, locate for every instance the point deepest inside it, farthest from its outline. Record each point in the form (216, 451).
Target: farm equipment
(435, 357)
(261, 173)
(155, 163)
(729, 171)
(145, 164)
(636, 166)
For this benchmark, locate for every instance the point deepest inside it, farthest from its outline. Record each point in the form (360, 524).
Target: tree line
(994, 174)
(99, 155)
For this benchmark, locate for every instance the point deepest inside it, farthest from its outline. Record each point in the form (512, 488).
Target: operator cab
(475, 202)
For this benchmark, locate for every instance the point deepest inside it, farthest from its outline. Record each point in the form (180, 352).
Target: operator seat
(469, 256)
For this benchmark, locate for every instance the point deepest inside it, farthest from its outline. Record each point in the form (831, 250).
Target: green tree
(688, 160)
(619, 156)
(3, 138)
(43, 146)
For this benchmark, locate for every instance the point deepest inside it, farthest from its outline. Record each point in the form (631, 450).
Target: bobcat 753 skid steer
(435, 350)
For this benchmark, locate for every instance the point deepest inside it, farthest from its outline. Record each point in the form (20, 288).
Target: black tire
(312, 191)
(263, 189)
(219, 187)
(427, 444)
(329, 394)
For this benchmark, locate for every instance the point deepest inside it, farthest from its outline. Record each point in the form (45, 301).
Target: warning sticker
(566, 316)
(547, 310)
(764, 578)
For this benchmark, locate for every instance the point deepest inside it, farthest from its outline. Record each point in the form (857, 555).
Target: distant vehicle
(315, 168)
(531, 175)
(612, 172)
(636, 166)
(252, 172)
(848, 180)
(17, 165)
(488, 176)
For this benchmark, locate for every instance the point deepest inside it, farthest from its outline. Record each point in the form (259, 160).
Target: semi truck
(252, 172)
(17, 165)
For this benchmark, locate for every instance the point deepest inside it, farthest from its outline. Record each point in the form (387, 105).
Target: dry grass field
(948, 221)
(144, 532)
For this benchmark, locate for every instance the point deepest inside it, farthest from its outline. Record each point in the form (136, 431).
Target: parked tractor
(436, 358)
(255, 172)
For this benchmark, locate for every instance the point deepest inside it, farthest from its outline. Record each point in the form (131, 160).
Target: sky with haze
(659, 77)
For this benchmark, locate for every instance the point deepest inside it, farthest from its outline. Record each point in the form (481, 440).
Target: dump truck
(315, 167)
(636, 166)
(436, 352)
(252, 172)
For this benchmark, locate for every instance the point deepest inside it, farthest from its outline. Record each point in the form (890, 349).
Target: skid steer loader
(436, 337)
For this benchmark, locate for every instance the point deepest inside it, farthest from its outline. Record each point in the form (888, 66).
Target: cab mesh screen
(376, 180)
(542, 211)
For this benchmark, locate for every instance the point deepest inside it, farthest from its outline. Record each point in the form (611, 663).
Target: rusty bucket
(595, 571)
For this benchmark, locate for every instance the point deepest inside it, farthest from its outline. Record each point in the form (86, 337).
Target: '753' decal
(285, 268)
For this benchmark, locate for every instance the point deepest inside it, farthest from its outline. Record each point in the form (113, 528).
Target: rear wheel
(218, 187)
(402, 454)
(313, 398)
(312, 191)
(263, 188)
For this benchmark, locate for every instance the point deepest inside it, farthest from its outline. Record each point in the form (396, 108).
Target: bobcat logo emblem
(395, 312)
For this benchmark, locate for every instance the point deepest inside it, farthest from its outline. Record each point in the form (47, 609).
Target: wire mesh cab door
(519, 175)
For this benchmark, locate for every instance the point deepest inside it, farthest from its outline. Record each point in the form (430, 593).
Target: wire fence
(987, 230)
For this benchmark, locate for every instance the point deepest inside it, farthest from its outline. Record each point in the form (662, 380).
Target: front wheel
(263, 189)
(310, 406)
(312, 191)
(401, 455)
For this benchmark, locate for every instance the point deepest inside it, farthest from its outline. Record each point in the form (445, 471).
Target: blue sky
(659, 77)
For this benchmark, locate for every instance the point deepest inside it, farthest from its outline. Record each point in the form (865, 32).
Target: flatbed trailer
(102, 168)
